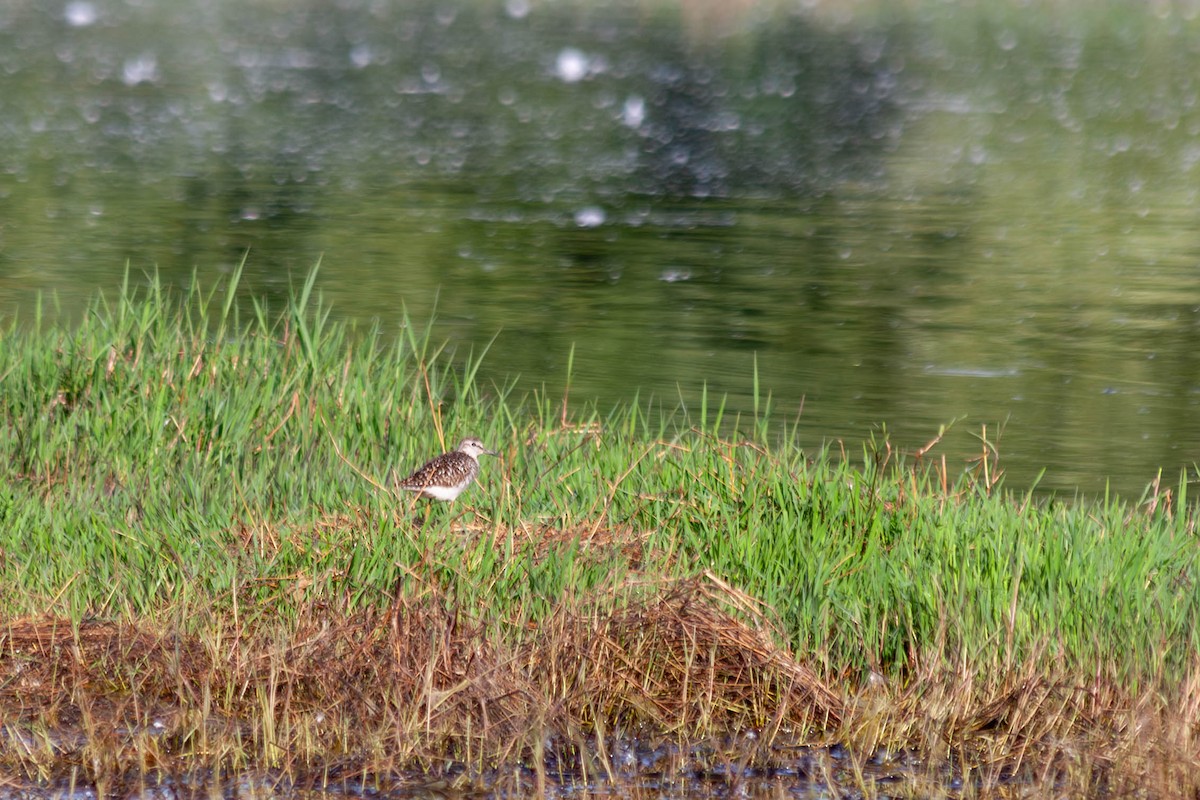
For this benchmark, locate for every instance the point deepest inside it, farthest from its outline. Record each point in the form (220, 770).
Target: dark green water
(906, 218)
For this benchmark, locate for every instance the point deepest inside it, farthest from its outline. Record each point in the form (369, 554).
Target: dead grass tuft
(1039, 724)
(417, 678)
(49, 667)
(681, 663)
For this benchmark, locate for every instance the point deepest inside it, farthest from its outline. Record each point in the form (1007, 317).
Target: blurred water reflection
(907, 217)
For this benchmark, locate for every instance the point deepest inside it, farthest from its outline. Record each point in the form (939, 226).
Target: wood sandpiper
(445, 477)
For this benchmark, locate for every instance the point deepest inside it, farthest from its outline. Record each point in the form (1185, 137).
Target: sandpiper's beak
(490, 453)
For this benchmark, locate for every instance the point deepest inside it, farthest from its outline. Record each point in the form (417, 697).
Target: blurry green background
(907, 214)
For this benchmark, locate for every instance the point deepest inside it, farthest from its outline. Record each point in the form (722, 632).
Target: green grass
(876, 568)
(178, 452)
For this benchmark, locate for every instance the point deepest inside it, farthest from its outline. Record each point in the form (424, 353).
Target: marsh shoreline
(206, 572)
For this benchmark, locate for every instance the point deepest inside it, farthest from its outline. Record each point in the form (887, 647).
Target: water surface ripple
(901, 218)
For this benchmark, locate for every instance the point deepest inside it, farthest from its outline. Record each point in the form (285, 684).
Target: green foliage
(173, 452)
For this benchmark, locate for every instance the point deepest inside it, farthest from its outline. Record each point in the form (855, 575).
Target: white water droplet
(571, 65)
(80, 14)
(142, 69)
(590, 217)
(634, 111)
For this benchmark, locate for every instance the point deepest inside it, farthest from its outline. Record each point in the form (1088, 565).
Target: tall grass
(181, 449)
(872, 566)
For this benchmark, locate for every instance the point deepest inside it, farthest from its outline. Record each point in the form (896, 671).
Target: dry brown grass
(420, 688)
(681, 663)
(415, 685)
(425, 691)
(1040, 726)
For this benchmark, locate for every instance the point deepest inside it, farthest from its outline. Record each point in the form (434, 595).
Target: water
(896, 218)
(733, 766)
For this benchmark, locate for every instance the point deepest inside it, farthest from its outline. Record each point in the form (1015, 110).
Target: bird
(445, 477)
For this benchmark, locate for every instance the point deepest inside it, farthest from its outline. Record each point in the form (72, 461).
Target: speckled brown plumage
(445, 477)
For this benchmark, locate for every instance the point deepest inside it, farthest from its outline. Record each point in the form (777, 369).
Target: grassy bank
(199, 538)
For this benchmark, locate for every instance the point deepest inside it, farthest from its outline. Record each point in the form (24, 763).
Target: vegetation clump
(209, 574)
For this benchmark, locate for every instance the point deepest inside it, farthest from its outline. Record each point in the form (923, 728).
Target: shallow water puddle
(629, 768)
